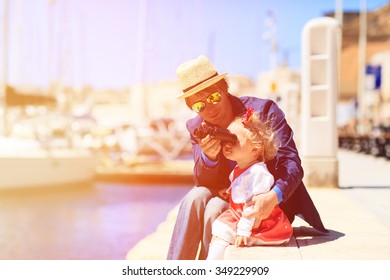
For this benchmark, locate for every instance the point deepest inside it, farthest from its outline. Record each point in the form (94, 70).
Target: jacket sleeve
(286, 166)
(215, 178)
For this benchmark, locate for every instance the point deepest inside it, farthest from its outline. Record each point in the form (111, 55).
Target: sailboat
(32, 161)
(28, 159)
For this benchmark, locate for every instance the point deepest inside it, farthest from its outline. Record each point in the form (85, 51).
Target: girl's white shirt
(255, 180)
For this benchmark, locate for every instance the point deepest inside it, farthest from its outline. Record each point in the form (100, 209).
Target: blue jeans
(198, 209)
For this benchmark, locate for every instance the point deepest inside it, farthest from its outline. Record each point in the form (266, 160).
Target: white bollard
(318, 103)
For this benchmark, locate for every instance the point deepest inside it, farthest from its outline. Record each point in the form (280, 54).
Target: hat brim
(202, 86)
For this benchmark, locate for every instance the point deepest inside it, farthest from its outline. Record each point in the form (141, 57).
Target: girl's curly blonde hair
(261, 135)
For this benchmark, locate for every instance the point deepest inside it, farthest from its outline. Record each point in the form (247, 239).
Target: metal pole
(339, 11)
(138, 99)
(5, 65)
(339, 17)
(271, 25)
(362, 67)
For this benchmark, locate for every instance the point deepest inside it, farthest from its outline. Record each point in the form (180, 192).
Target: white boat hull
(40, 167)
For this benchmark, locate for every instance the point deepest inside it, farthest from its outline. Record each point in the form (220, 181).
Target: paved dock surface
(356, 214)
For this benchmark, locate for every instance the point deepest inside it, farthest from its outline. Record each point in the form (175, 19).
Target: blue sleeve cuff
(208, 162)
(278, 193)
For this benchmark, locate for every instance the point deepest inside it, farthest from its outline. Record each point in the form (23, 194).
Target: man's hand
(240, 240)
(263, 205)
(210, 147)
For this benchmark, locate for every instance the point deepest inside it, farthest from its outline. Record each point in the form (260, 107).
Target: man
(206, 92)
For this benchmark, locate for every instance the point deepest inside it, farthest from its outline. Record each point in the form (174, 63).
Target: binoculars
(214, 132)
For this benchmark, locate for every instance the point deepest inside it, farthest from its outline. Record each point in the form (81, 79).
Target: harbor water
(99, 221)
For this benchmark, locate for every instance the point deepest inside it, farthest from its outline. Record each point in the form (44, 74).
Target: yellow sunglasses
(213, 98)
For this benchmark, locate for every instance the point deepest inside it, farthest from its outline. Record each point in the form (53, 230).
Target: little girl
(256, 144)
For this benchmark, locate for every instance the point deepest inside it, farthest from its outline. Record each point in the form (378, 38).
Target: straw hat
(196, 75)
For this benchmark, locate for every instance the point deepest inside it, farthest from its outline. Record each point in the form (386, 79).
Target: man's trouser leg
(193, 222)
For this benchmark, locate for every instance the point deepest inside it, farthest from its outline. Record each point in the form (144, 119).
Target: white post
(289, 103)
(319, 97)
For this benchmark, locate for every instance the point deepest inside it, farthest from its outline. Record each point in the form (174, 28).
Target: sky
(121, 43)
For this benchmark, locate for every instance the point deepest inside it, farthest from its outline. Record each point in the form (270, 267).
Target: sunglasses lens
(214, 98)
(198, 106)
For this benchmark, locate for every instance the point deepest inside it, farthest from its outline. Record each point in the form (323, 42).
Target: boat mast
(5, 65)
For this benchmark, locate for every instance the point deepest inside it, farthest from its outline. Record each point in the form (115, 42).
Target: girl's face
(242, 150)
